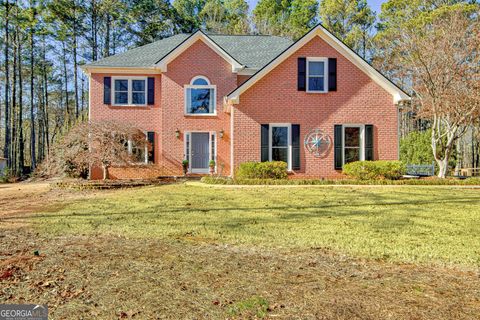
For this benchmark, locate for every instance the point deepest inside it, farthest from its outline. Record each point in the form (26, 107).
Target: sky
(374, 4)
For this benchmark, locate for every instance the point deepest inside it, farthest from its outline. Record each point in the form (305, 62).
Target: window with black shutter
(151, 91)
(332, 74)
(295, 147)
(369, 142)
(302, 74)
(265, 129)
(338, 146)
(107, 90)
(151, 146)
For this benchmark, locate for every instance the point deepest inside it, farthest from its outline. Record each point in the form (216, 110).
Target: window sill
(130, 105)
(316, 92)
(200, 115)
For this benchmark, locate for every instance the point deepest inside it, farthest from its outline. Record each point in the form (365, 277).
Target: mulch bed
(116, 184)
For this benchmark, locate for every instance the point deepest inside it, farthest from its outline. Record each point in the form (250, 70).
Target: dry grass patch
(106, 277)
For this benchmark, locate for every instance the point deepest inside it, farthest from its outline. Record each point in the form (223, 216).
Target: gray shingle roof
(249, 50)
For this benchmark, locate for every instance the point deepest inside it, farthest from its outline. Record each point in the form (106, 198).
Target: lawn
(186, 251)
(408, 224)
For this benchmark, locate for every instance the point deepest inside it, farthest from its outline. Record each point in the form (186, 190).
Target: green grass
(407, 223)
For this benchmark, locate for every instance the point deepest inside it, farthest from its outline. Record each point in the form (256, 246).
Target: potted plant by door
(185, 167)
(211, 164)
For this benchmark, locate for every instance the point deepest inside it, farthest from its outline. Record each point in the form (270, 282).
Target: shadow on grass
(305, 211)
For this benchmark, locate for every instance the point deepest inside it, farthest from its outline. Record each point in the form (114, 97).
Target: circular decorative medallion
(317, 142)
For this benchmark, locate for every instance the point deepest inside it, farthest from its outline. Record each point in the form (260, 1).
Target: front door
(200, 152)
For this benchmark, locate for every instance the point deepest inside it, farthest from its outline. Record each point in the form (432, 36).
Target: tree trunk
(13, 122)
(33, 156)
(93, 6)
(45, 88)
(75, 63)
(21, 144)
(105, 172)
(65, 78)
(6, 149)
(106, 51)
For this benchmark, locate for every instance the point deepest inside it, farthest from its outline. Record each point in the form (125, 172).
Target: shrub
(416, 148)
(262, 170)
(307, 182)
(375, 170)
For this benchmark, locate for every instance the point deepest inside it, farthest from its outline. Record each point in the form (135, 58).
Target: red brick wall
(275, 99)
(167, 115)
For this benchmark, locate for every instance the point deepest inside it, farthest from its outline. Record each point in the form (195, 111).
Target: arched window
(200, 97)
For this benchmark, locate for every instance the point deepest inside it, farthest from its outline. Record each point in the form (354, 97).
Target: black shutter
(332, 74)
(264, 140)
(107, 90)
(302, 74)
(338, 144)
(151, 91)
(295, 146)
(369, 142)
(151, 149)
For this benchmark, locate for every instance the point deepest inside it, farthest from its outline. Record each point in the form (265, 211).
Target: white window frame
(289, 147)
(362, 140)
(130, 148)
(192, 86)
(212, 141)
(325, 74)
(130, 91)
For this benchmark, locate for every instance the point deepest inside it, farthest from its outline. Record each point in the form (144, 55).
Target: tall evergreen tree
(189, 11)
(351, 21)
(285, 17)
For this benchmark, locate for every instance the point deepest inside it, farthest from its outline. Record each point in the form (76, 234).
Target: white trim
(199, 77)
(187, 101)
(232, 154)
(247, 71)
(210, 156)
(289, 147)
(325, 74)
(362, 140)
(199, 35)
(90, 99)
(321, 32)
(129, 91)
(130, 149)
(88, 70)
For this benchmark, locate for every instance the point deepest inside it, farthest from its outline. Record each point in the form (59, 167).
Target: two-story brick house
(313, 103)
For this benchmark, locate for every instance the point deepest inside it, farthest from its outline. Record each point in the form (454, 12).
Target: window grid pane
(212, 156)
(187, 146)
(316, 68)
(316, 83)
(200, 101)
(121, 91)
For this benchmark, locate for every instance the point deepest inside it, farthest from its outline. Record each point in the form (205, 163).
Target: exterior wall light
(177, 133)
(221, 133)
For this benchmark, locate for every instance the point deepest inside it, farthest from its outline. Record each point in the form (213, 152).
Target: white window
(280, 143)
(129, 91)
(353, 143)
(139, 153)
(317, 75)
(200, 97)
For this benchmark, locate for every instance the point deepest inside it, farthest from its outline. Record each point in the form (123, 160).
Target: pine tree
(351, 21)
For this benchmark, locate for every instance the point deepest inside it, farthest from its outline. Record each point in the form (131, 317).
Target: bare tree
(443, 61)
(103, 144)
